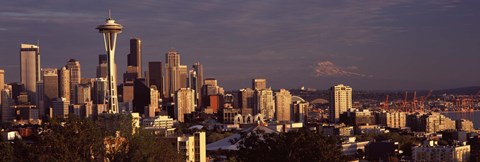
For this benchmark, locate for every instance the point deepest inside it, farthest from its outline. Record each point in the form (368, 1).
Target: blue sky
(395, 44)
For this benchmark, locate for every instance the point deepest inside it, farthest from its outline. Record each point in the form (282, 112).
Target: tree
(6, 151)
(302, 145)
(147, 147)
(76, 140)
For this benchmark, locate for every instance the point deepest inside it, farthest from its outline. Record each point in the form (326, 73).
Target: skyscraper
(50, 86)
(153, 106)
(198, 68)
(7, 101)
(197, 82)
(141, 98)
(102, 66)
(183, 74)
(283, 101)
(155, 75)
(210, 88)
(82, 93)
(130, 75)
(265, 103)
(340, 101)
(172, 72)
(110, 30)
(41, 99)
(99, 91)
(184, 103)
(60, 108)
(64, 83)
(134, 58)
(30, 68)
(247, 101)
(259, 84)
(300, 111)
(75, 76)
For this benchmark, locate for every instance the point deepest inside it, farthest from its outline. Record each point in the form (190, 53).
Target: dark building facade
(135, 56)
(155, 75)
(141, 95)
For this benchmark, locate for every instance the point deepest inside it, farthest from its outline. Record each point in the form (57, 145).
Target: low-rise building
(355, 117)
(158, 122)
(351, 148)
(339, 129)
(227, 115)
(464, 125)
(392, 119)
(430, 151)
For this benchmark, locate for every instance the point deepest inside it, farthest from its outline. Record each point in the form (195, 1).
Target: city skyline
(367, 45)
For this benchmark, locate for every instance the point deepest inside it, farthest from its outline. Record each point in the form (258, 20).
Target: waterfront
(472, 115)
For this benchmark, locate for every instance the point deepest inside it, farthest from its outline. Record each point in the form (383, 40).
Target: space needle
(110, 30)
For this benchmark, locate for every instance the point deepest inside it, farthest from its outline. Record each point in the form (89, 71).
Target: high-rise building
(193, 147)
(247, 101)
(200, 146)
(210, 88)
(99, 91)
(184, 103)
(172, 73)
(155, 75)
(7, 101)
(283, 100)
(82, 93)
(192, 82)
(392, 119)
(110, 30)
(102, 66)
(198, 69)
(75, 76)
(436, 122)
(265, 103)
(134, 58)
(259, 84)
(64, 83)
(340, 101)
(2, 82)
(141, 96)
(214, 102)
(211, 82)
(128, 91)
(131, 74)
(153, 106)
(17, 88)
(60, 108)
(300, 111)
(40, 99)
(183, 74)
(356, 117)
(50, 86)
(30, 68)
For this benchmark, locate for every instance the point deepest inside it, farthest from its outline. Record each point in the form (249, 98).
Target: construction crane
(424, 99)
(385, 105)
(414, 104)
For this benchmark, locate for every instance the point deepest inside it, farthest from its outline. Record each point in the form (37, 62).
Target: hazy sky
(384, 44)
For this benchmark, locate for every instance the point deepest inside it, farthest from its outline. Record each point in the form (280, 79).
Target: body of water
(473, 116)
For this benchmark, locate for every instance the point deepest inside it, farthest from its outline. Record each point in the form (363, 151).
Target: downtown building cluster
(157, 98)
(168, 93)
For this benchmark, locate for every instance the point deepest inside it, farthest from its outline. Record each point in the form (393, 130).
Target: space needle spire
(110, 30)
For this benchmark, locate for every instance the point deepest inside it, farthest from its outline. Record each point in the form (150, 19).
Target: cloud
(329, 69)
